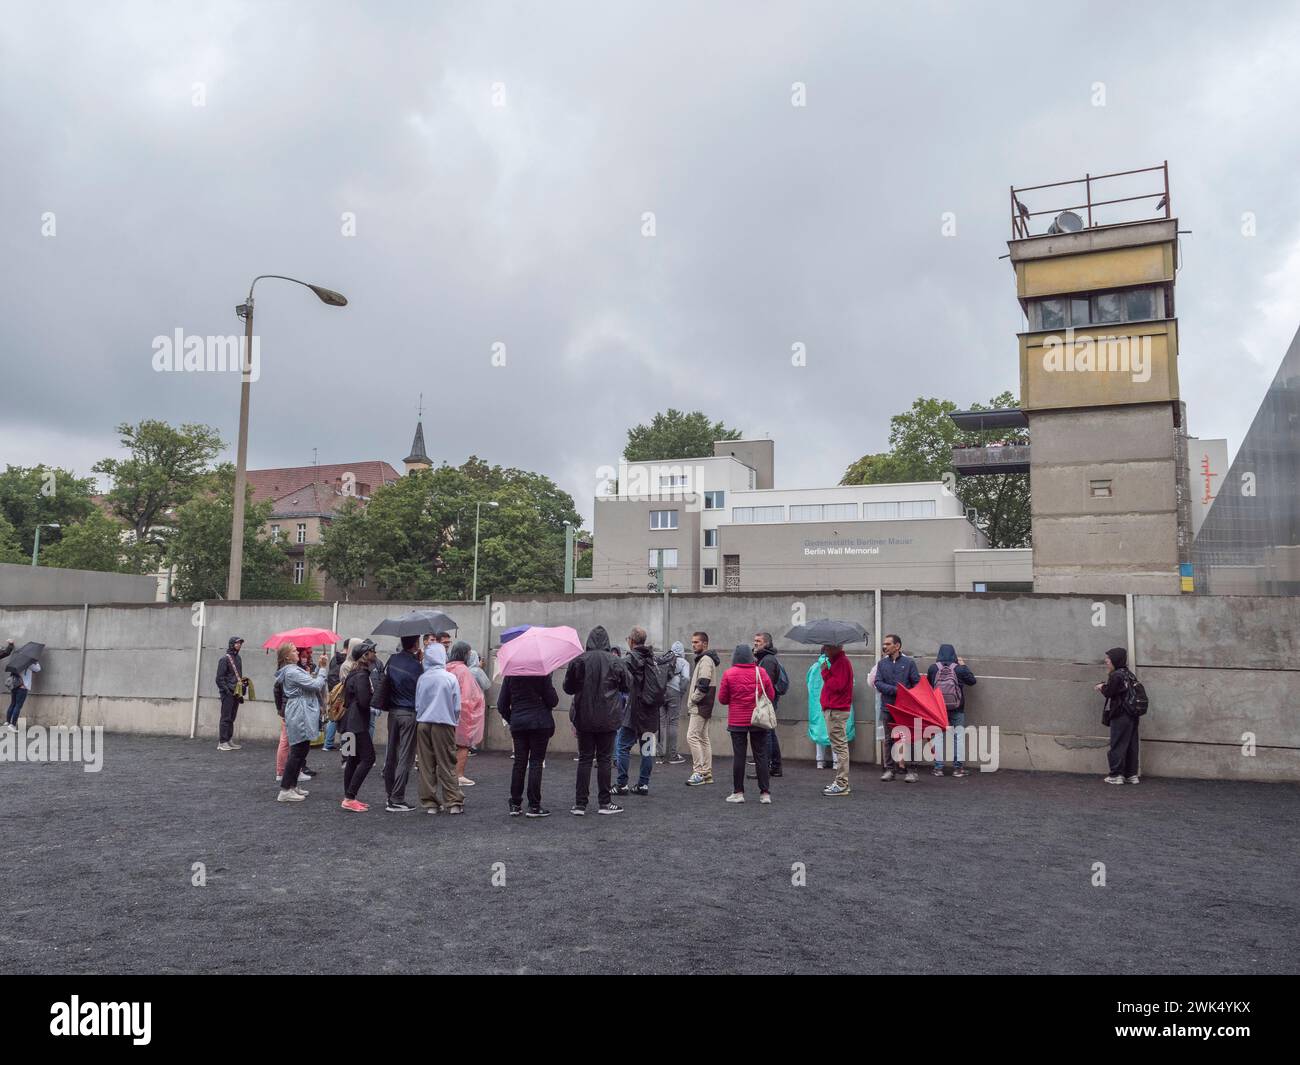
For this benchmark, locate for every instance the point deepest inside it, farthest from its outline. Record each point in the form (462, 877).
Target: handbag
(764, 715)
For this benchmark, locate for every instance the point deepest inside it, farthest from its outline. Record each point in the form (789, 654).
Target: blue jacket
(437, 696)
(890, 674)
(302, 696)
(403, 671)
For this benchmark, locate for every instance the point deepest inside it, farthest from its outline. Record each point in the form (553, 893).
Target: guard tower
(1095, 269)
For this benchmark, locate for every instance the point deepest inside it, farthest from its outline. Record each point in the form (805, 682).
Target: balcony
(991, 458)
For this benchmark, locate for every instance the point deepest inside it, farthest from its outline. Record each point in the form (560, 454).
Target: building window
(275, 534)
(710, 576)
(299, 571)
(675, 480)
(361, 583)
(754, 515)
(916, 508)
(669, 555)
(710, 537)
(731, 573)
(714, 500)
(823, 512)
(879, 511)
(302, 532)
(1100, 489)
(663, 519)
(1104, 308)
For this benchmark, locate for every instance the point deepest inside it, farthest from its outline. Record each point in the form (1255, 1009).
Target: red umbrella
(922, 702)
(303, 638)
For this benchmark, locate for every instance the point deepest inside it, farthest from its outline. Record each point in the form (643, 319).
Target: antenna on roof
(314, 462)
(420, 413)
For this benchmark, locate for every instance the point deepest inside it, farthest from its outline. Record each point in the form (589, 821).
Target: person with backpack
(765, 655)
(647, 687)
(232, 688)
(679, 679)
(1126, 701)
(358, 691)
(950, 677)
(598, 682)
(739, 693)
(699, 708)
(335, 678)
(302, 685)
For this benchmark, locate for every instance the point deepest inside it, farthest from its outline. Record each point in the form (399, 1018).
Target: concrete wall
(31, 585)
(991, 565)
(1216, 668)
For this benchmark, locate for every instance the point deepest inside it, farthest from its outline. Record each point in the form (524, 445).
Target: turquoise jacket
(816, 720)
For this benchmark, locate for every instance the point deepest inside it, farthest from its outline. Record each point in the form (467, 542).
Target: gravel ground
(988, 874)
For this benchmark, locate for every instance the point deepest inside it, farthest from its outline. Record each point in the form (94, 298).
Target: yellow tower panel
(1094, 271)
(1099, 366)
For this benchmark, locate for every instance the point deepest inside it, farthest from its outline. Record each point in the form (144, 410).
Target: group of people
(623, 702)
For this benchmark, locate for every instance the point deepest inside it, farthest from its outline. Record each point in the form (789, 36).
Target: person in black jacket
(765, 655)
(1123, 753)
(403, 670)
(357, 692)
(526, 704)
(230, 685)
(331, 682)
(640, 720)
(597, 681)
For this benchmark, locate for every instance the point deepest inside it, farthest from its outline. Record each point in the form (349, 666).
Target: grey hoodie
(437, 692)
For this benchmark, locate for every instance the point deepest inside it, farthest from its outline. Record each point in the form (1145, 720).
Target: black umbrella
(415, 623)
(826, 631)
(23, 657)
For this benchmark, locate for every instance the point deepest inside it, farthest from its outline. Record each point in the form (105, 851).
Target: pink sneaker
(354, 806)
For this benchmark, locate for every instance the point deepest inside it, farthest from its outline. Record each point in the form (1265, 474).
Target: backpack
(948, 684)
(654, 680)
(1135, 696)
(11, 680)
(335, 706)
(782, 684)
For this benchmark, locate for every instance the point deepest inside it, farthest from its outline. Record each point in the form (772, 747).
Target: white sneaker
(301, 791)
(765, 799)
(290, 796)
(1132, 780)
(234, 746)
(1114, 780)
(735, 796)
(465, 782)
(224, 747)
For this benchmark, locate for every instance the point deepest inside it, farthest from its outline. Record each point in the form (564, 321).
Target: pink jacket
(473, 706)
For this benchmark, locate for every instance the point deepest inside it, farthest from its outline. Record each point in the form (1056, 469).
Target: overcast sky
(499, 161)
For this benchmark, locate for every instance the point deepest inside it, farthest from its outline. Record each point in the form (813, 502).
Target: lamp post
(36, 543)
(478, 507)
(245, 311)
(568, 558)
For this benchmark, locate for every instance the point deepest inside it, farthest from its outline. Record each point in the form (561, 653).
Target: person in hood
(231, 687)
(302, 684)
(359, 748)
(950, 677)
(476, 668)
(473, 721)
(597, 681)
(738, 692)
(403, 671)
(438, 709)
(640, 716)
(1123, 753)
(473, 701)
(526, 704)
(679, 680)
(699, 709)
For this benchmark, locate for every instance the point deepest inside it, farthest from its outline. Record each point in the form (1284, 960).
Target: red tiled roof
(309, 499)
(277, 483)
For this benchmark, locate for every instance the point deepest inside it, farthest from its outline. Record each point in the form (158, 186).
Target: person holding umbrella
(303, 686)
(19, 679)
(232, 688)
(837, 706)
(893, 671)
(403, 671)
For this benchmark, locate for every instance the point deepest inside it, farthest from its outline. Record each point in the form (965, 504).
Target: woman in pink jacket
(738, 692)
(473, 707)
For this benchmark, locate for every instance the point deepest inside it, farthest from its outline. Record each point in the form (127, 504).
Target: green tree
(415, 539)
(43, 495)
(920, 449)
(97, 542)
(164, 467)
(10, 550)
(200, 546)
(674, 435)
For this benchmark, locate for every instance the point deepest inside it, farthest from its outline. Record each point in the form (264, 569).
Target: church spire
(418, 459)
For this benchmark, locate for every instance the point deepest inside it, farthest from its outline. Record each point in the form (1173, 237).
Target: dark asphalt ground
(988, 874)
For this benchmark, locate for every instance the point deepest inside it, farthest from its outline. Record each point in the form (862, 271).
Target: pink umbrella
(539, 652)
(303, 638)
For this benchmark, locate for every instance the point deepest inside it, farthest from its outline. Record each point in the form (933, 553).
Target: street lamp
(245, 311)
(568, 558)
(478, 507)
(36, 544)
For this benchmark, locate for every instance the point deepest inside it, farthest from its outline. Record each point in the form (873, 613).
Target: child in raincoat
(473, 708)
(817, 721)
